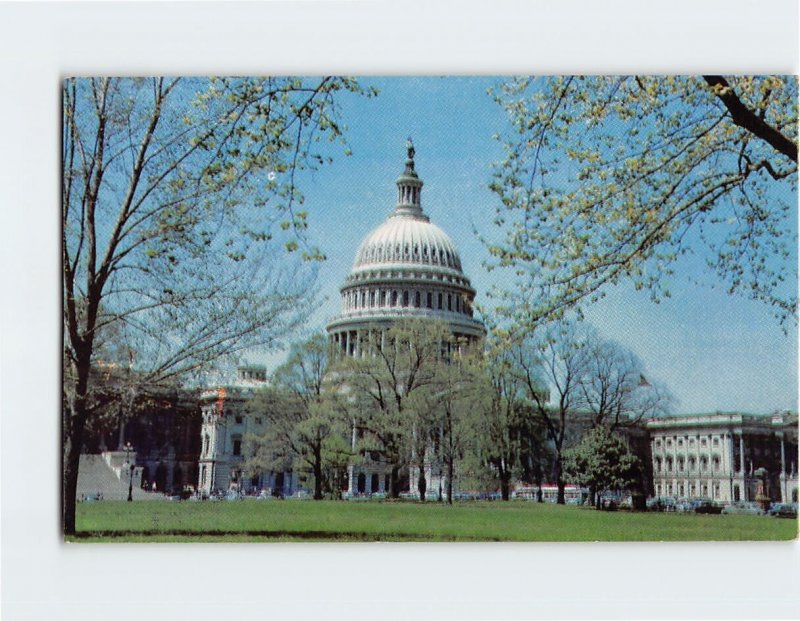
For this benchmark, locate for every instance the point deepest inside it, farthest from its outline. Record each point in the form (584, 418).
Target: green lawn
(406, 521)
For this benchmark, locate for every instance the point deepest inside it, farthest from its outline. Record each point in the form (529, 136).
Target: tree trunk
(74, 421)
(422, 484)
(505, 485)
(395, 482)
(318, 475)
(560, 482)
(450, 481)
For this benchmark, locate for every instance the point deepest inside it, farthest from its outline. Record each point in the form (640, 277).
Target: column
(784, 490)
(347, 343)
(741, 453)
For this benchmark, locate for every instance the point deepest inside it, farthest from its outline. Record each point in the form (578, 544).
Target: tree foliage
(601, 462)
(177, 197)
(305, 424)
(613, 178)
(382, 387)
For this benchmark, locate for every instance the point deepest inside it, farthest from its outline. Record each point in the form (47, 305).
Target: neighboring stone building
(716, 456)
(160, 422)
(225, 423)
(406, 268)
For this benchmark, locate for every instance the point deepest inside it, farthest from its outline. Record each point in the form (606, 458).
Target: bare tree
(175, 196)
(614, 389)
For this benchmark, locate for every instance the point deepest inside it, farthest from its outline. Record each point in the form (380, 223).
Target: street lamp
(128, 448)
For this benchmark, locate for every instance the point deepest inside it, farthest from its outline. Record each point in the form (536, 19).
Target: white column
(741, 453)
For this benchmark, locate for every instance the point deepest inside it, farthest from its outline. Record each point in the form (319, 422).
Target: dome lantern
(409, 188)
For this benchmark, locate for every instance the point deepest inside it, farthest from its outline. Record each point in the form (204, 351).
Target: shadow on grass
(311, 535)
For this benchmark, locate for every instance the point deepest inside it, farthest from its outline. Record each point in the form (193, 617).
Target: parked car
(707, 506)
(742, 507)
(784, 510)
(661, 503)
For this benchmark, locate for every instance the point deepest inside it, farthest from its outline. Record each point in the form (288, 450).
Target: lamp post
(128, 448)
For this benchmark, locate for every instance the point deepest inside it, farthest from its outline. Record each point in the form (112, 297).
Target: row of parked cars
(706, 505)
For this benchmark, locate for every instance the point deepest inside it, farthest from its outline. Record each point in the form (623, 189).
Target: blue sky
(713, 351)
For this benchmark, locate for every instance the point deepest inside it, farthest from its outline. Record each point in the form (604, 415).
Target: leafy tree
(602, 462)
(177, 195)
(305, 427)
(381, 386)
(613, 178)
(500, 424)
(447, 408)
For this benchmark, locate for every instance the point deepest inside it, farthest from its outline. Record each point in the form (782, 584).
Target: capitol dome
(407, 267)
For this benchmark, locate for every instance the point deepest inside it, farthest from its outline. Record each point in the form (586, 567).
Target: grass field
(166, 521)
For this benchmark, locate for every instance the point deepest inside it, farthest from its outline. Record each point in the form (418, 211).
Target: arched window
(440, 301)
(430, 300)
(405, 299)
(373, 487)
(449, 302)
(394, 298)
(362, 483)
(383, 298)
(416, 300)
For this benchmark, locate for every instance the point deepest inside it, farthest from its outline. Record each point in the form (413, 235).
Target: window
(237, 446)
(383, 298)
(692, 463)
(449, 302)
(416, 300)
(669, 442)
(680, 442)
(680, 467)
(715, 464)
(716, 442)
(394, 298)
(238, 420)
(405, 298)
(440, 301)
(258, 420)
(658, 443)
(703, 442)
(658, 464)
(669, 464)
(430, 300)
(703, 464)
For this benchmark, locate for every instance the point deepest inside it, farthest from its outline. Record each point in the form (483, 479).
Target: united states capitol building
(410, 268)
